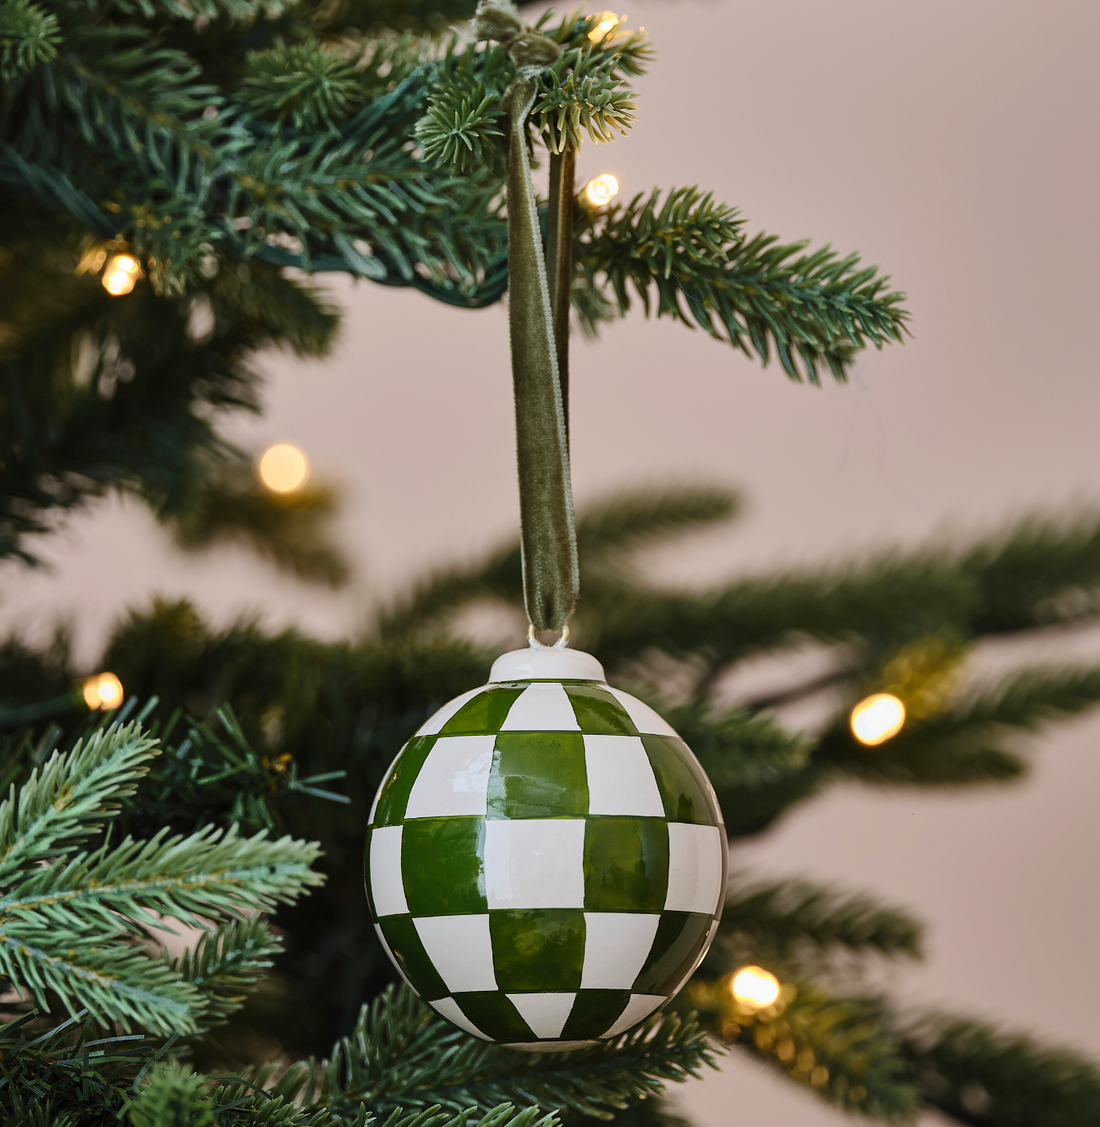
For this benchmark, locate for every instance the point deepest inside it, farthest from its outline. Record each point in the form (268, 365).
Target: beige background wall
(953, 141)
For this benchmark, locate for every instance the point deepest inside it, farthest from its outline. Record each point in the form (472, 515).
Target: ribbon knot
(530, 50)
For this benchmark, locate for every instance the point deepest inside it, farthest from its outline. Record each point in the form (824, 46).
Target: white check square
(460, 949)
(620, 777)
(694, 868)
(640, 1006)
(534, 863)
(386, 884)
(454, 780)
(646, 720)
(542, 707)
(448, 1007)
(616, 946)
(545, 1014)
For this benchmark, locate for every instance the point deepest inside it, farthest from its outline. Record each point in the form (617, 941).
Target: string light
(104, 690)
(283, 468)
(121, 274)
(608, 22)
(877, 719)
(754, 988)
(603, 189)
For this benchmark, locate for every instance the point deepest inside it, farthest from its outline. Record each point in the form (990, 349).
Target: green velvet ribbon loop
(548, 537)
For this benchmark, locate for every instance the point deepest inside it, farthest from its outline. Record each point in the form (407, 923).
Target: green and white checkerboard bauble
(546, 859)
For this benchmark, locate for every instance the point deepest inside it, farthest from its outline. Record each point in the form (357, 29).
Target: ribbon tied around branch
(548, 537)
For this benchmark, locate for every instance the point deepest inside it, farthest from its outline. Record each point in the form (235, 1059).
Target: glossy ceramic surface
(546, 861)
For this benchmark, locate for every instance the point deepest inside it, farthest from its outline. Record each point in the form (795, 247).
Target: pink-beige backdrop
(955, 143)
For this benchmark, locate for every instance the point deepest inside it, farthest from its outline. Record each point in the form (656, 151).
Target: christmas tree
(172, 174)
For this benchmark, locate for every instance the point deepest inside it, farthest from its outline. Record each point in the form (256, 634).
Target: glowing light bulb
(603, 189)
(283, 468)
(754, 988)
(608, 21)
(877, 718)
(121, 274)
(104, 690)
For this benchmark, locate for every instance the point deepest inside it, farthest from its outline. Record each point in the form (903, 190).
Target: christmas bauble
(546, 859)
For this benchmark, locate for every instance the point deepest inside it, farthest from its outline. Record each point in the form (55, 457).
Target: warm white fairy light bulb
(754, 988)
(877, 718)
(104, 690)
(602, 190)
(283, 468)
(121, 274)
(608, 21)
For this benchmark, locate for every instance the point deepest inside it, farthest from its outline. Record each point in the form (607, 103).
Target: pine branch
(63, 925)
(881, 605)
(607, 532)
(816, 308)
(29, 37)
(210, 872)
(629, 522)
(841, 1048)
(290, 529)
(60, 927)
(785, 919)
(63, 1076)
(67, 800)
(739, 751)
(91, 971)
(581, 94)
(194, 11)
(226, 965)
(582, 102)
(120, 393)
(985, 1078)
(312, 85)
(963, 745)
(401, 1055)
(172, 1094)
(1041, 571)
(462, 129)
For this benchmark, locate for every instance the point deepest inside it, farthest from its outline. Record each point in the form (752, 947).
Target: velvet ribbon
(548, 537)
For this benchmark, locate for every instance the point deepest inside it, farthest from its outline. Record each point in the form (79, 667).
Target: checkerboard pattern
(546, 862)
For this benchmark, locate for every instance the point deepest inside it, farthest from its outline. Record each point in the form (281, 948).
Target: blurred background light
(104, 690)
(877, 718)
(283, 468)
(121, 274)
(754, 988)
(602, 189)
(608, 22)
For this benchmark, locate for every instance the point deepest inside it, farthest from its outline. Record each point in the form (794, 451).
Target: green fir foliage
(691, 258)
(400, 1054)
(986, 1078)
(312, 722)
(234, 147)
(67, 915)
(28, 37)
(787, 920)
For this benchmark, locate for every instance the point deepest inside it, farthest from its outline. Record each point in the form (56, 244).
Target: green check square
(625, 864)
(598, 712)
(681, 781)
(538, 775)
(401, 935)
(493, 1013)
(441, 866)
(593, 1012)
(538, 950)
(485, 713)
(679, 939)
(394, 797)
